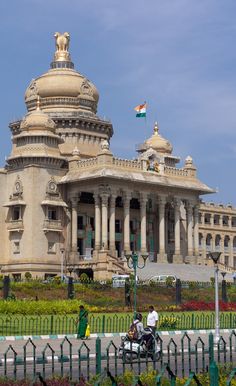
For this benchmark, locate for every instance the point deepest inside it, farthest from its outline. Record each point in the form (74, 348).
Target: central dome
(62, 88)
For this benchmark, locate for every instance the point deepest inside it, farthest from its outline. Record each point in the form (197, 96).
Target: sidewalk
(106, 335)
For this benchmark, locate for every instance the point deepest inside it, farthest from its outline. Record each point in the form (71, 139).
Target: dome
(37, 120)
(158, 143)
(62, 88)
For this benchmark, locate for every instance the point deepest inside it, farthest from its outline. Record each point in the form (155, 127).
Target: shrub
(28, 276)
(169, 281)
(84, 278)
(169, 322)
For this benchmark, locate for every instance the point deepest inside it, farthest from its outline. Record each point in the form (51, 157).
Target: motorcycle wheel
(156, 357)
(129, 357)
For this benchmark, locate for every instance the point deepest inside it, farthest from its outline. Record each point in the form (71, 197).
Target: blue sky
(178, 55)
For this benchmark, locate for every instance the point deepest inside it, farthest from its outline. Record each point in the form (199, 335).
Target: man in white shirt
(152, 319)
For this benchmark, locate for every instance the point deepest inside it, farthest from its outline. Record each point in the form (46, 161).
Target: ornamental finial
(156, 128)
(62, 46)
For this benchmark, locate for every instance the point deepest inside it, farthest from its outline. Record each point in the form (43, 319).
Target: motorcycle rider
(139, 325)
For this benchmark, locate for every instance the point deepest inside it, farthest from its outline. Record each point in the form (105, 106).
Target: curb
(106, 335)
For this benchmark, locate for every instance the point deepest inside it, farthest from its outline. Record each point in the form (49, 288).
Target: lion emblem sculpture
(62, 41)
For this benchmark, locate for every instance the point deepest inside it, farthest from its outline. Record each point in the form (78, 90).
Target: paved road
(180, 363)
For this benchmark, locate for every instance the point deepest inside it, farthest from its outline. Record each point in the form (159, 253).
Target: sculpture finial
(156, 128)
(62, 46)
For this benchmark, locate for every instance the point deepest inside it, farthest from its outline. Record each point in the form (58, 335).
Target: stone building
(65, 199)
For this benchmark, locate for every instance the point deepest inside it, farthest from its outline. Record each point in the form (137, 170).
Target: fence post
(103, 323)
(51, 324)
(98, 356)
(213, 371)
(211, 348)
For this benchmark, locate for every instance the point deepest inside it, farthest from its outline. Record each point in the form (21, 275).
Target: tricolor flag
(141, 110)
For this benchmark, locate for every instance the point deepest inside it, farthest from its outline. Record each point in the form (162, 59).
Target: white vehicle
(119, 280)
(162, 279)
(147, 346)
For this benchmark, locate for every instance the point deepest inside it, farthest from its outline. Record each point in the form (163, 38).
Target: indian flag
(141, 110)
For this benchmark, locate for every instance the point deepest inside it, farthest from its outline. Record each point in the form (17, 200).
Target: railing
(64, 324)
(84, 360)
(127, 164)
(52, 224)
(87, 162)
(175, 171)
(15, 224)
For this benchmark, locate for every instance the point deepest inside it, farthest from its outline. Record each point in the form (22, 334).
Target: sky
(178, 55)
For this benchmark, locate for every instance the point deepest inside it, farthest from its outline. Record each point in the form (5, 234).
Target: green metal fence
(81, 361)
(66, 324)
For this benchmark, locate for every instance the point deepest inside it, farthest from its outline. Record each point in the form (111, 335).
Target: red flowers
(203, 306)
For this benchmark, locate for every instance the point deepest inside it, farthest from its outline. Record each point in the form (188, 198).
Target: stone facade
(67, 201)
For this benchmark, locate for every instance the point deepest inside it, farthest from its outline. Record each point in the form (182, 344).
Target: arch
(226, 241)
(208, 239)
(217, 240)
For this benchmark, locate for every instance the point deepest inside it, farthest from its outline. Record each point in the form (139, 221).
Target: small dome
(158, 143)
(37, 120)
(62, 88)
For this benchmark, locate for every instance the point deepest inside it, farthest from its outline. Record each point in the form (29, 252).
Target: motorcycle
(146, 347)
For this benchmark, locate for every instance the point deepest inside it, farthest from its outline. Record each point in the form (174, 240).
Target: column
(212, 219)
(231, 252)
(112, 244)
(97, 221)
(74, 220)
(189, 212)
(196, 230)
(177, 258)
(162, 257)
(143, 219)
(126, 201)
(104, 197)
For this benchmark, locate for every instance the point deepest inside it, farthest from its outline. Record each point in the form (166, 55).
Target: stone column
(177, 258)
(126, 201)
(231, 252)
(162, 256)
(189, 212)
(97, 204)
(196, 231)
(112, 244)
(143, 219)
(104, 197)
(74, 220)
(212, 219)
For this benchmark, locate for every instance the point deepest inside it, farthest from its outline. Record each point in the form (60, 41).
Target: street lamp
(215, 258)
(132, 262)
(62, 263)
(70, 269)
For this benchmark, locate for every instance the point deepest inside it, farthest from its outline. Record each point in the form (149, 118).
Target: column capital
(113, 200)
(177, 203)
(74, 201)
(96, 198)
(143, 199)
(104, 197)
(161, 200)
(126, 198)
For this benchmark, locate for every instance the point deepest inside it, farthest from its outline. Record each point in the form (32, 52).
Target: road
(182, 353)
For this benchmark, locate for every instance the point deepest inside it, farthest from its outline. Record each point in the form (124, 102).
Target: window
(52, 213)
(16, 214)
(92, 223)
(80, 222)
(51, 247)
(16, 247)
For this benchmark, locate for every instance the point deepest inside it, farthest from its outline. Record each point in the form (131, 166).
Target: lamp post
(132, 262)
(62, 263)
(215, 258)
